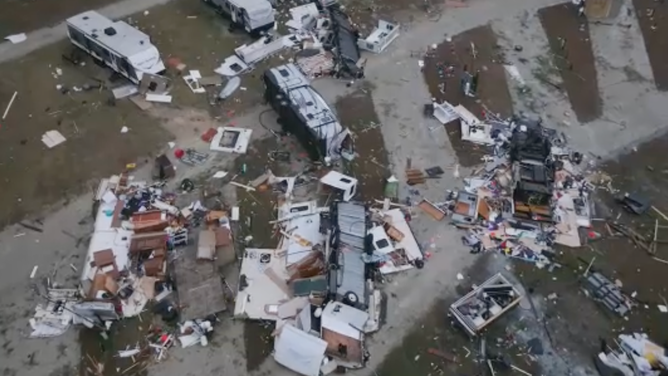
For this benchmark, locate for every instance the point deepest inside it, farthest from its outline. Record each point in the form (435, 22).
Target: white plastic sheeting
(299, 351)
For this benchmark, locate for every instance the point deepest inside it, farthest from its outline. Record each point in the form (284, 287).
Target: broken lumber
(415, 177)
(9, 105)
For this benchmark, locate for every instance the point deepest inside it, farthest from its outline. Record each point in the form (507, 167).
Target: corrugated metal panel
(351, 274)
(352, 241)
(352, 219)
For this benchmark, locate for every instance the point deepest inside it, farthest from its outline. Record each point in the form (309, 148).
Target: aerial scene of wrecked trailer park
(373, 187)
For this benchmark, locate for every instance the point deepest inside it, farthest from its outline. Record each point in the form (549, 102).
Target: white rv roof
(313, 108)
(127, 41)
(252, 5)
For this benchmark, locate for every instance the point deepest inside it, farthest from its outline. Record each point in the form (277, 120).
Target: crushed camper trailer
(303, 112)
(254, 16)
(118, 45)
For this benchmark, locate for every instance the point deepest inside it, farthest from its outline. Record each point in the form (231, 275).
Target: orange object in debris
(179, 153)
(442, 354)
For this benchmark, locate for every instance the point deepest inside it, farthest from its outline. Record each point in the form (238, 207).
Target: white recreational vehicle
(254, 16)
(122, 47)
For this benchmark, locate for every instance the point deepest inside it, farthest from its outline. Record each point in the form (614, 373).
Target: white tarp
(299, 351)
(56, 317)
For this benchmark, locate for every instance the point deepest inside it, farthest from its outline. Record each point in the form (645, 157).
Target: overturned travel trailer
(303, 112)
(348, 272)
(118, 45)
(254, 16)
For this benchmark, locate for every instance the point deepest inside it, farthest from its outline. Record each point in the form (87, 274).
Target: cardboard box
(104, 258)
(154, 267)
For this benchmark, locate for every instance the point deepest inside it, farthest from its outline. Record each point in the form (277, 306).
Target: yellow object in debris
(131, 166)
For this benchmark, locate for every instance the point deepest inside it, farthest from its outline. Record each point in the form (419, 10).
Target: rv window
(347, 181)
(77, 36)
(123, 65)
(97, 49)
(106, 55)
(129, 69)
(382, 243)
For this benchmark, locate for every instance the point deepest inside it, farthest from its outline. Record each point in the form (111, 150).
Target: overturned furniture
(486, 303)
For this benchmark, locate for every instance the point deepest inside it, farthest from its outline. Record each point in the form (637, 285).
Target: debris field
(229, 190)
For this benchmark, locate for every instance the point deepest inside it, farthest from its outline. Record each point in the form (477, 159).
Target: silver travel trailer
(118, 45)
(303, 112)
(254, 16)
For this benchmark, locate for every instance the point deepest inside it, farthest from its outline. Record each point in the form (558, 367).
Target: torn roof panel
(305, 220)
(264, 276)
(344, 319)
(299, 351)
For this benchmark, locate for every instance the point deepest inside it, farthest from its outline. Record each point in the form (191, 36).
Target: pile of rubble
(318, 284)
(139, 252)
(529, 195)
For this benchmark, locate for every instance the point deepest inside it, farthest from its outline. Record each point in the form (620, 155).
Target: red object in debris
(179, 153)
(164, 338)
(208, 135)
(173, 62)
(427, 255)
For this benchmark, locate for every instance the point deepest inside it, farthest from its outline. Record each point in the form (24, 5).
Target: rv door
(125, 66)
(233, 12)
(247, 21)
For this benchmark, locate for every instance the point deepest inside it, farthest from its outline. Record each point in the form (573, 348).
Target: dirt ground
(86, 117)
(23, 16)
(652, 18)
(371, 166)
(35, 176)
(443, 70)
(573, 56)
